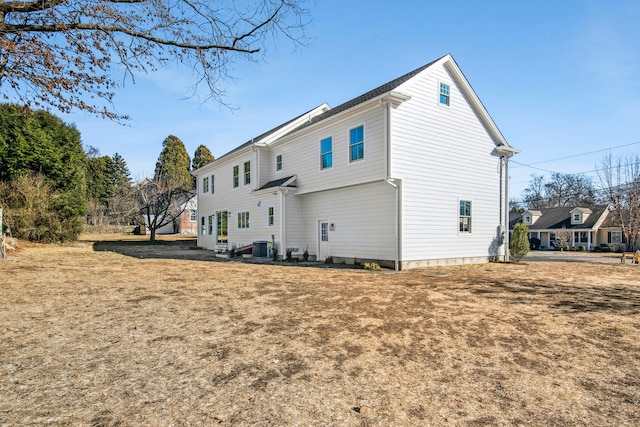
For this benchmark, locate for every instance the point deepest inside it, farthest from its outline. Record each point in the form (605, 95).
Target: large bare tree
(73, 54)
(620, 181)
(161, 203)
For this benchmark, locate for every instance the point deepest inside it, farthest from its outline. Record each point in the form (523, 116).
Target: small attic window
(444, 94)
(576, 217)
(527, 219)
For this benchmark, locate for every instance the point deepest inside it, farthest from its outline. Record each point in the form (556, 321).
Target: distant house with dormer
(589, 227)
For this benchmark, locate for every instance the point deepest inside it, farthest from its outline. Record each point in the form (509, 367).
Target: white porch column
(589, 241)
(573, 238)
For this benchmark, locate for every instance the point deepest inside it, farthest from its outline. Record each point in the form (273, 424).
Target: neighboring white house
(185, 223)
(412, 173)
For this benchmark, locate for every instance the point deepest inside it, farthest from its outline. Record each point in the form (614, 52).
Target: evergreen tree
(519, 243)
(173, 165)
(120, 174)
(40, 144)
(201, 157)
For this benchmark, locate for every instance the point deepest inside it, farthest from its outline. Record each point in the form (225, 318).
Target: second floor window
(444, 94)
(326, 153)
(356, 144)
(247, 173)
(205, 185)
(236, 176)
(213, 184)
(279, 162)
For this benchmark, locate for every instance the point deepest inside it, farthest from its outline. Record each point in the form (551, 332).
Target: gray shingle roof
(277, 183)
(380, 90)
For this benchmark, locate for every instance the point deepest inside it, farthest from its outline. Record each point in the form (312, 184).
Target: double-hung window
(465, 216)
(213, 184)
(326, 153)
(271, 218)
(247, 173)
(236, 176)
(356, 144)
(203, 230)
(210, 224)
(205, 184)
(279, 162)
(444, 94)
(243, 219)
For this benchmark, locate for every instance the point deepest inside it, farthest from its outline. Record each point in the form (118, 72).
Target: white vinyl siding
(444, 156)
(303, 155)
(354, 234)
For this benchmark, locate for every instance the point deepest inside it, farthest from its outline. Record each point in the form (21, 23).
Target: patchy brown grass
(104, 338)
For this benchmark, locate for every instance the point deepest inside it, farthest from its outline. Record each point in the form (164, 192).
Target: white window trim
(333, 151)
(281, 162)
(269, 216)
(364, 144)
(246, 220)
(244, 173)
(233, 178)
(438, 94)
(464, 233)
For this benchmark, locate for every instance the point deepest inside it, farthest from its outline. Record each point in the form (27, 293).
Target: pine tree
(173, 165)
(201, 157)
(519, 243)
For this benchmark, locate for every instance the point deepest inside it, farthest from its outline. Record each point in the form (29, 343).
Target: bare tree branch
(64, 53)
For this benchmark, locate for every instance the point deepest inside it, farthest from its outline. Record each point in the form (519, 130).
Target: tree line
(51, 185)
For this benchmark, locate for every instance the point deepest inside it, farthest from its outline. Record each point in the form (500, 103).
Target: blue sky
(560, 78)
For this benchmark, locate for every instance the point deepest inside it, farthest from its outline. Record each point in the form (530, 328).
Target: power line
(572, 156)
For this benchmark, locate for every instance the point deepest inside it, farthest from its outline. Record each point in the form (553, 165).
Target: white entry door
(323, 240)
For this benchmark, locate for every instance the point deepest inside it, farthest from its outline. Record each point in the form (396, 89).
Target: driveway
(607, 257)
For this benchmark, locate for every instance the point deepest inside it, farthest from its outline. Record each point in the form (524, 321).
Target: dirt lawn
(124, 334)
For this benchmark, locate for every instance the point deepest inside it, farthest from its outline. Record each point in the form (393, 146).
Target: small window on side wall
(444, 94)
(279, 162)
(356, 144)
(465, 217)
(326, 153)
(271, 219)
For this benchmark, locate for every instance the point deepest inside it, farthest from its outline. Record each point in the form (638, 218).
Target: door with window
(323, 240)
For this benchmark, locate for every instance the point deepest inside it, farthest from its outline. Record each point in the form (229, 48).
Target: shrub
(35, 211)
(274, 254)
(305, 254)
(373, 266)
(519, 244)
(582, 248)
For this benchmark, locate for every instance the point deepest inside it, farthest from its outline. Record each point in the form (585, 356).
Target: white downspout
(282, 222)
(507, 253)
(390, 181)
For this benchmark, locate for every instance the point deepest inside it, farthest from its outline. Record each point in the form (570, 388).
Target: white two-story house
(412, 173)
